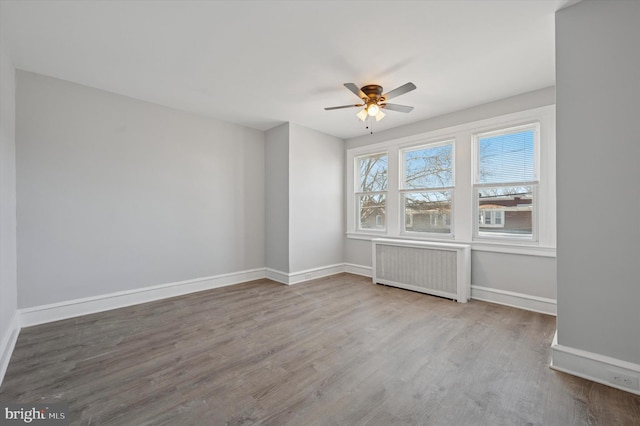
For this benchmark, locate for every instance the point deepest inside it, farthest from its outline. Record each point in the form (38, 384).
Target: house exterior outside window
(506, 182)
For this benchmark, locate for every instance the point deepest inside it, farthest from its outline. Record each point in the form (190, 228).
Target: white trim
(361, 236)
(513, 299)
(8, 344)
(312, 274)
(525, 248)
(591, 366)
(89, 305)
(277, 276)
(365, 271)
(522, 249)
(290, 278)
(421, 244)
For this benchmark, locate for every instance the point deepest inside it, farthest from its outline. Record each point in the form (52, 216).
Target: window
(491, 218)
(506, 182)
(427, 188)
(489, 183)
(497, 218)
(371, 193)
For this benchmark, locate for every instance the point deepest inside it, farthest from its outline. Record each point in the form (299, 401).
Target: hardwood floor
(335, 351)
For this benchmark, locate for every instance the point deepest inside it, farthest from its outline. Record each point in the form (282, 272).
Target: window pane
(372, 211)
(505, 211)
(507, 157)
(373, 173)
(428, 212)
(428, 168)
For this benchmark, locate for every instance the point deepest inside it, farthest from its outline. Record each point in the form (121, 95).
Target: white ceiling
(262, 63)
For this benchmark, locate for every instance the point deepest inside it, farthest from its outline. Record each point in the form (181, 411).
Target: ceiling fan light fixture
(374, 100)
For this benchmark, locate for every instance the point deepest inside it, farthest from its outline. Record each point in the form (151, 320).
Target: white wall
(8, 284)
(277, 198)
(304, 203)
(316, 191)
(116, 194)
(490, 269)
(598, 155)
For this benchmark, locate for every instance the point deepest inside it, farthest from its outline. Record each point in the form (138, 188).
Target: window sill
(483, 246)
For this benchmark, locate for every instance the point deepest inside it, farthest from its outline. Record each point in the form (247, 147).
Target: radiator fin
(441, 269)
(425, 268)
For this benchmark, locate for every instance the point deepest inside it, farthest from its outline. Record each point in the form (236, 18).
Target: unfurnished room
(306, 212)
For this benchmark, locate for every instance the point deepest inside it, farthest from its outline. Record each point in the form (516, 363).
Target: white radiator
(441, 269)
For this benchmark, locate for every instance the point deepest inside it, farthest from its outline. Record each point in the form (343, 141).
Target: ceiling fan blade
(399, 91)
(396, 107)
(343, 106)
(356, 90)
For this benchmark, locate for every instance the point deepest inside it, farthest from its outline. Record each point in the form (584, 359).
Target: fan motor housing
(373, 91)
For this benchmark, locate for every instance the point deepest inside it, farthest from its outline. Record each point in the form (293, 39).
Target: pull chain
(369, 124)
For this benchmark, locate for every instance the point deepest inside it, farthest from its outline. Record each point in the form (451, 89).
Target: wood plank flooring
(334, 351)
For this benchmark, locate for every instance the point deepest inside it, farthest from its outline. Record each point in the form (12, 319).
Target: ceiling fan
(374, 101)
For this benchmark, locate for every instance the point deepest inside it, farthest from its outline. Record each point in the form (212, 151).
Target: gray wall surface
(8, 283)
(517, 103)
(117, 194)
(598, 157)
(277, 198)
(531, 275)
(316, 191)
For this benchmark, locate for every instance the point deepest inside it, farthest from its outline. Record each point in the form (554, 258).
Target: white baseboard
(594, 367)
(290, 278)
(8, 344)
(89, 305)
(516, 300)
(486, 294)
(365, 271)
(278, 276)
(312, 274)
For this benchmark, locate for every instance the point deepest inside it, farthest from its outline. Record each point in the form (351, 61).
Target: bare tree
(373, 179)
(426, 169)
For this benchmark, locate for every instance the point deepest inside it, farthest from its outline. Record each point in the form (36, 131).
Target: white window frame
(465, 215)
(403, 190)
(357, 193)
(477, 235)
